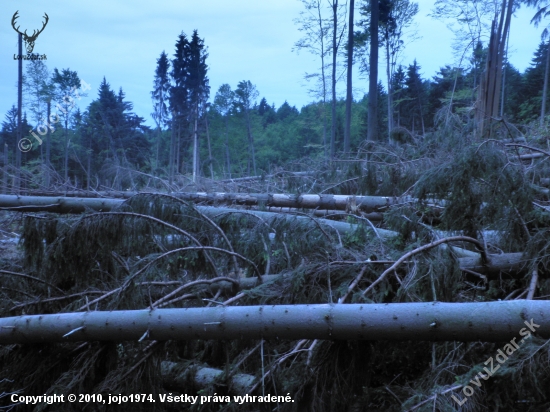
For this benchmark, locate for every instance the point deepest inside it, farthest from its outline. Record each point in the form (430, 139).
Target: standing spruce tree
(188, 95)
(532, 85)
(179, 102)
(115, 137)
(416, 94)
(160, 96)
(198, 90)
(398, 88)
(223, 103)
(247, 94)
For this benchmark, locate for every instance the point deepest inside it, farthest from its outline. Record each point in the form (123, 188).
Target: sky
(246, 40)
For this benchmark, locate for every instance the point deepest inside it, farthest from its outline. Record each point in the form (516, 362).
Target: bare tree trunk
(172, 155)
(17, 185)
(503, 88)
(390, 91)
(5, 174)
(492, 80)
(250, 142)
(159, 134)
(228, 159)
(323, 78)
(373, 74)
(333, 81)
(89, 167)
(48, 167)
(210, 159)
(545, 87)
(66, 154)
(195, 152)
(178, 148)
(349, 96)
(426, 321)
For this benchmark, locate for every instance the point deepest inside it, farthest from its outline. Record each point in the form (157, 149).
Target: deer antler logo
(29, 40)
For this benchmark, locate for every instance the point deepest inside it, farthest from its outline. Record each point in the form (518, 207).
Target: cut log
(496, 264)
(433, 321)
(174, 377)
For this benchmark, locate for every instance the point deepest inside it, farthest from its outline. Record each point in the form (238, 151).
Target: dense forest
(389, 252)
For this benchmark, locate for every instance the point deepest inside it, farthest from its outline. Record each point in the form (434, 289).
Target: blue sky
(246, 40)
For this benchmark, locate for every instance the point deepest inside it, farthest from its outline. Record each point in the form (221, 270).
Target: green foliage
(482, 190)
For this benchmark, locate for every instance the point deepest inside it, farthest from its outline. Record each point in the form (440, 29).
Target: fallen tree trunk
(433, 321)
(80, 205)
(496, 264)
(56, 204)
(175, 377)
(306, 201)
(280, 174)
(374, 216)
(511, 263)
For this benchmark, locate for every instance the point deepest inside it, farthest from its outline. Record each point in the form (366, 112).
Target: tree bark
(195, 152)
(545, 87)
(427, 321)
(333, 80)
(349, 95)
(492, 79)
(48, 132)
(210, 158)
(172, 154)
(5, 170)
(17, 185)
(250, 143)
(373, 74)
(228, 159)
(175, 377)
(390, 89)
(69, 204)
(323, 78)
